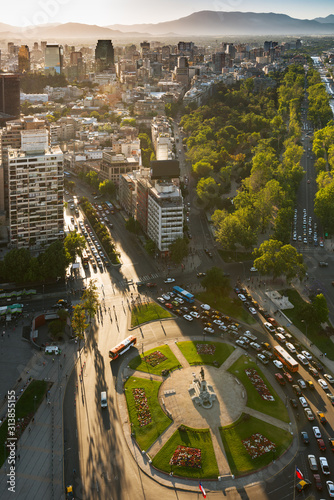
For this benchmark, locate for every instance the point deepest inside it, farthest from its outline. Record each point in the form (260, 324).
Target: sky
(108, 12)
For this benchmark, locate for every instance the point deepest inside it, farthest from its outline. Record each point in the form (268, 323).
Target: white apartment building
(36, 187)
(165, 214)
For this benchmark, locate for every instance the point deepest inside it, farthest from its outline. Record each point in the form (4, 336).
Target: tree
(74, 243)
(324, 206)
(179, 250)
(79, 322)
(207, 191)
(90, 299)
(215, 281)
(107, 187)
(128, 122)
(203, 168)
(133, 226)
(93, 179)
(150, 247)
(272, 257)
(320, 308)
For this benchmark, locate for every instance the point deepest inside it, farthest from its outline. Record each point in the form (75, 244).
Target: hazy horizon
(104, 12)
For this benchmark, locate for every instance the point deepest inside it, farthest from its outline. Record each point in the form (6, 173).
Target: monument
(203, 394)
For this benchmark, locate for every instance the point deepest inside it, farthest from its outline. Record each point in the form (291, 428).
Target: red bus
(122, 347)
(286, 359)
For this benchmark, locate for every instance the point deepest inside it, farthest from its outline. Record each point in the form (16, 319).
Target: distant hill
(206, 22)
(325, 20)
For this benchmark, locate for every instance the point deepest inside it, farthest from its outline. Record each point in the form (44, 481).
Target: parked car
(195, 314)
(207, 329)
(242, 344)
(188, 317)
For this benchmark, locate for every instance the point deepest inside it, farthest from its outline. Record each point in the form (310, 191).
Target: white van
(104, 399)
(280, 338)
(52, 349)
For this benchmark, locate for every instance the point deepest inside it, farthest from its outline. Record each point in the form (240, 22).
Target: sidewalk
(39, 463)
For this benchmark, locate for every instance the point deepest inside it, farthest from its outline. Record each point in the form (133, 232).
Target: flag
(202, 490)
(299, 474)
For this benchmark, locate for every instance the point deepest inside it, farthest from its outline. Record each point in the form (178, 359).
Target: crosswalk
(148, 277)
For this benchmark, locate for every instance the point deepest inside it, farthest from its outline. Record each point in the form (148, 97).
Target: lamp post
(305, 323)
(35, 398)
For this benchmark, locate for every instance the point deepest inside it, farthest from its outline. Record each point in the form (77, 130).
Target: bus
(286, 359)
(122, 347)
(187, 296)
(85, 259)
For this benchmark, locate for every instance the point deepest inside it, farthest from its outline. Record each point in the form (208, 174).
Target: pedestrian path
(178, 354)
(267, 418)
(148, 277)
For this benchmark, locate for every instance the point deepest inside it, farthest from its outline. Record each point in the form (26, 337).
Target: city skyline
(105, 13)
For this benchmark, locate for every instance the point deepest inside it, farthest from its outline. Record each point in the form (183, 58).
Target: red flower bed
(155, 358)
(141, 404)
(259, 385)
(187, 457)
(205, 348)
(258, 445)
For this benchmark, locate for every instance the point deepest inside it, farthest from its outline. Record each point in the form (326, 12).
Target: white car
(324, 465)
(330, 488)
(278, 364)
(218, 322)
(269, 327)
(291, 347)
(206, 307)
(161, 300)
(255, 346)
(302, 359)
(223, 327)
(316, 432)
(252, 310)
(242, 344)
(169, 280)
(307, 355)
(280, 329)
(166, 296)
(180, 301)
(253, 269)
(323, 384)
(303, 402)
(188, 317)
(301, 383)
(262, 358)
(242, 297)
(207, 329)
(329, 378)
(195, 314)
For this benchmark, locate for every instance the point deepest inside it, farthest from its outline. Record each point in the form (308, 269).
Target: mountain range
(203, 23)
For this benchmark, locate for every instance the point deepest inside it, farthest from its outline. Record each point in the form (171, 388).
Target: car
(245, 340)
(69, 492)
(278, 364)
(242, 297)
(303, 485)
(169, 305)
(324, 466)
(317, 365)
(201, 275)
(179, 300)
(208, 329)
(302, 359)
(218, 322)
(303, 402)
(266, 346)
(330, 397)
(175, 303)
(166, 296)
(179, 312)
(161, 300)
(321, 444)
(322, 417)
(307, 355)
(323, 264)
(253, 269)
(331, 443)
(151, 285)
(310, 384)
(194, 314)
(297, 390)
(301, 383)
(268, 354)
(290, 347)
(255, 346)
(316, 432)
(317, 481)
(262, 358)
(330, 488)
(312, 461)
(323, 384)
(205, 307)
(288, 377)
(329, 378)
(242, 344)
(184, 308)
(314, 372)
(309, 414)
(188, 317)
(169, 280)
(293, 403)
(305, 437)
(280, 379)
(252, 310)
(269, 327)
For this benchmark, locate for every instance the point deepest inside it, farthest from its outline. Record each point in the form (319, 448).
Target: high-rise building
(145, 48)
(24, 59)
(43, 47)
(35, 45)
(53, 63)
(75, 56)
(36, 184)
(104, 55)
(10, 94)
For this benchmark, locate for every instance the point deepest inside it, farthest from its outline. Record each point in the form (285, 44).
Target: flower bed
(141, 404)
(206, 349)
(259, 385)
(187, 457)
(258, 445)
(155, 358)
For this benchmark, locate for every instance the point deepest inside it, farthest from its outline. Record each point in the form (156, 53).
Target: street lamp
(305, 323)
(35, 398)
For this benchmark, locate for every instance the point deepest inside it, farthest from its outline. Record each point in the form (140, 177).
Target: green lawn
(171, 363)
(193, 438)
(275, 408)
(319, 339)
(238, 458)
(148, 312)
(24, 410)
(146, 435)
(221, 353)
(230, 306)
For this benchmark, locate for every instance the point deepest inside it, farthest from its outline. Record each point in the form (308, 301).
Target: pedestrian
(61, 365)
(64, 355)
(29, 429)
(18, 456)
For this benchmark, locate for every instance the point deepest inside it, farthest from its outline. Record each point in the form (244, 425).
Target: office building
(10, 95)
(53, 63)
(104, 55)
(24, 59)
(36, 185)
